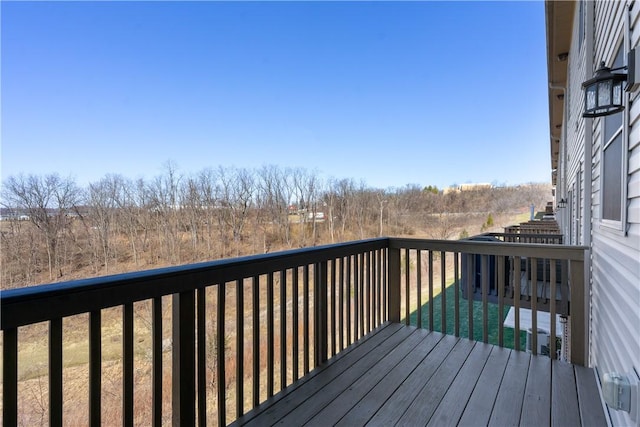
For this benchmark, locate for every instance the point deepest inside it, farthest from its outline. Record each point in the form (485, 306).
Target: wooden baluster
(393, 285)
(55, 373)
(305, 315)
(443, 290)
(201, 355)
(484, 262)
(407, 287)
(283, 329)
(270, 335)
(295, 308)
(255, 293)
(220, 354)
(10, 377)
(430, 261)
(419, 287)
(239, 349)
(500, 276)
(456, 293)
(95, 368)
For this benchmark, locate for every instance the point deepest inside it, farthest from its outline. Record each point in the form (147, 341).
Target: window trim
(581, 24)
(618, 227)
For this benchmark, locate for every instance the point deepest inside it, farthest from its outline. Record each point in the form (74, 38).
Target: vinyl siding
(575, 134)
(615, 309)
(634, 25)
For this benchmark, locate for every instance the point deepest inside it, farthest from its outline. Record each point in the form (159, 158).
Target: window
(612, 160)
(580, 24)
(570, 215)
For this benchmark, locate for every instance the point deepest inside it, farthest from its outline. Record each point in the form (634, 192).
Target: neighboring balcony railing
(548, 238)
(245, 328)
(546, 231)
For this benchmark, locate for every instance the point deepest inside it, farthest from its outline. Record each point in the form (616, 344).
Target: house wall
(615, 254)
(575, 135)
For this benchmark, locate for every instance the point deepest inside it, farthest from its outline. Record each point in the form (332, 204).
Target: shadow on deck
(400, 375)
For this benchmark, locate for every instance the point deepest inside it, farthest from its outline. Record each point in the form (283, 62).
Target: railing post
(320, 309)
(393, 288)
(184, 359)
(578, 315)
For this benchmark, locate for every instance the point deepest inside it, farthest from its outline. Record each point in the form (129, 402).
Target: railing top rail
(525, 235)
(43, 302)
(40, 303)
(537, 250)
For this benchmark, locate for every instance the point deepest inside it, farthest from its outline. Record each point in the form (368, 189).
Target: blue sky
(392, 93)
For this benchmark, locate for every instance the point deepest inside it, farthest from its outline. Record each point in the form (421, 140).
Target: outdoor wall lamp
(562, 204)
(603, 93)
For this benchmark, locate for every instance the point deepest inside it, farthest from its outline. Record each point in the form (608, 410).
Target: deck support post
(320, 313)
(184, 359)
(394, 285)
(578, 305)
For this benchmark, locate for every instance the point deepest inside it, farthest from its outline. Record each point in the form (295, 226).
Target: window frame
(616, 226)
(581, 24)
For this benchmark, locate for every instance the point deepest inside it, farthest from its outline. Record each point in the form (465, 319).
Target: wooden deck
(401, 375)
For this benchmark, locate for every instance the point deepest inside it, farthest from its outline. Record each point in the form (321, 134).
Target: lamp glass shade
(617, 94)
(590, 97)
(604, 93)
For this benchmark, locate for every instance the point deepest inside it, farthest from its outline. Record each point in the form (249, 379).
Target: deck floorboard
(428, 399)
(536, 406)
(565, 410)
(391, 410)
(478, 409)
(404, 376)
(362, 412)
(450, 409)
(591, 409)
(508, 406)
(351, 392)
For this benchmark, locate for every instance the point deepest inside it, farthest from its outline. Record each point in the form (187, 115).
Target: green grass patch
(494, 320)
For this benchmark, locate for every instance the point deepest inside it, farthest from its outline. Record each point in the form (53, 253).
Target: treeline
(53, 229)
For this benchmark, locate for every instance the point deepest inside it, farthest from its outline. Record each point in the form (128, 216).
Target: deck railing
(538, 277)
(548, 238)
(531, 228)
(262, 322)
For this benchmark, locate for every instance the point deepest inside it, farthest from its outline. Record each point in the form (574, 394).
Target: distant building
(474, 187)
(468, 187)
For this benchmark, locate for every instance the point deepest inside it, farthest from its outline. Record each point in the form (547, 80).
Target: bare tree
(381, 197)
(21, 253)
(193, 208)
(47, 201)
(236, 193)
(132, 215)
(102, 203)
(330, 199)
(274, 194)
(443, 221)
(365, 210)
(207, 189)
(164, 199)
(305, 186)
(344, 191)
